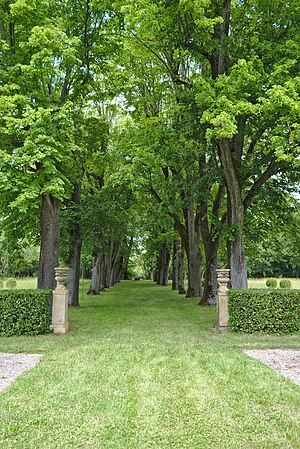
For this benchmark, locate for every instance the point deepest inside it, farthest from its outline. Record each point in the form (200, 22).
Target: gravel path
(13, 365)
(285, 361)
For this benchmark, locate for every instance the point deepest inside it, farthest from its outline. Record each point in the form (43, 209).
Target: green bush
(11, 283)
(1, 284)
(271, 283)
(264, 310)
(285, 283)
(24, 312)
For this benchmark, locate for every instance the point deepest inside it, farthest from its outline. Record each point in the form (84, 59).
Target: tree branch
(274, 168)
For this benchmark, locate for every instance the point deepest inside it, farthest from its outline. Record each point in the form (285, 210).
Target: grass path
(143, 368)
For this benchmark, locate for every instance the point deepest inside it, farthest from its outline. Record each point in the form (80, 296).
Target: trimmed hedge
(272, 311)
(10, 283)
(271, 283)
(285, 283)
(25, 312)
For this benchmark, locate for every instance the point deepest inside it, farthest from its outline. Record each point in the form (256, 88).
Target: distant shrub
(264, 310)
(11, 283)
(271, 283)
(24, 312)
(285, 283)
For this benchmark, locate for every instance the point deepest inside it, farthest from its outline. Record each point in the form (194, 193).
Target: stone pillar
(60, 323)
(222, 302)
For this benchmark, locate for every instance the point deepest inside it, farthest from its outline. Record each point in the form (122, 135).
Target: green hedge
(269, 311)
(285, 283)
(24, 312)
(271, 283)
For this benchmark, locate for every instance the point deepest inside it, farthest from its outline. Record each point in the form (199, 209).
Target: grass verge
(144, 368)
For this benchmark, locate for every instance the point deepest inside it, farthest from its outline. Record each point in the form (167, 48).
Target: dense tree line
(166, 120)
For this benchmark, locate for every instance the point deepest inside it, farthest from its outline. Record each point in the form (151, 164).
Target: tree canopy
(116, 115)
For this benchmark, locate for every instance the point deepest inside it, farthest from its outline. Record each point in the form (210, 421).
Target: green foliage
(285, 283)
(11, 283)
(271, 239)
(24, 312)
(264, 310)
(271, 283)
(1, 284)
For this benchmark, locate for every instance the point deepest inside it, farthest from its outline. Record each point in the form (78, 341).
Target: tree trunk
(175, 264)
(238, 269)
(74, 275)
(181, 289)
(74, 260)
(209, 294)
(49, 249)
(112, 258)
(194, 256)
(126, 256)
(211, 237)
(97, 274)
(163, 265)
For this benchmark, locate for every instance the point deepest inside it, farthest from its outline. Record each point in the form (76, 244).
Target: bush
(285, 283)
(264, 310)
(271, 283)
(11, 283)
(1, 284)
(25, 312)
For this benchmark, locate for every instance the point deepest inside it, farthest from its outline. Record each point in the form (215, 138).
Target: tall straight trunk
(194, 256)
(163, 265)
(74, 275)
(97, 273)
(155, 271)
(211, 236)
(152, 273)
(175, 264)
(49, 248)
(117, 268)
(112, 258)
(74, 260)
(181, 289)
(178, 267)
(125, 261)
(238, 269)
(209, 294)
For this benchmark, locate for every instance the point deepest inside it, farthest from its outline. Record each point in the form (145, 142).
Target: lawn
(261, 283)
(144, 368)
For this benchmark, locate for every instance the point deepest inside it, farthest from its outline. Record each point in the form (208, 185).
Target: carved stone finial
(223, 276)
(61, 275)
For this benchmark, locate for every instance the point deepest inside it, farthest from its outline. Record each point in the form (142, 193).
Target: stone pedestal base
(223, 275)
(60, 328)
(60, 323)
(222, 311)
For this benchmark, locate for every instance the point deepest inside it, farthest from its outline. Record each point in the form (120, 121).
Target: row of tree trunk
(110, 262)
(110, 265)
(108, 268)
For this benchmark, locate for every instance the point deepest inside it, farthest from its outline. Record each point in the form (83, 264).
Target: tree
(51, 52)
(39, 59)
(253, 111)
